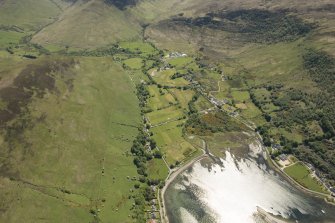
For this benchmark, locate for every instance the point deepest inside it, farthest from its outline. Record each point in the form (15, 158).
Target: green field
(300, 173)
(224, 91)
(138, 47)
(170, 140)
(240, 96)
(253, 113)
(159, 100)
(134, 63)
(293, 134)
(157, 169)
(165, 115)
(164, 78)
(183, 96)
(202, 103)
(9, 38)
(138, 76)
(180, 62)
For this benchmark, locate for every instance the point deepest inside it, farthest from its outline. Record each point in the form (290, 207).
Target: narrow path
(56, 192)
(166, 163)
(131, 79)
(58, 6)
(219, 87)
(166, 122)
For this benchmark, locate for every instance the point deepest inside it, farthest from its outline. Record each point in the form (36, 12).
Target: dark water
(229, 193)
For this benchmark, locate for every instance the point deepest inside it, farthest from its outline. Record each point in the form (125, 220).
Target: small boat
(323, 211)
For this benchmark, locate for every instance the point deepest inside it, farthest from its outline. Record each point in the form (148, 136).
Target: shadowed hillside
(122, 4)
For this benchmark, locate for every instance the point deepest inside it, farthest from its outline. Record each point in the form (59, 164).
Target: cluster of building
(153, 213)
(321, 178)
(275, 147)
(176, 55)
(217, 102)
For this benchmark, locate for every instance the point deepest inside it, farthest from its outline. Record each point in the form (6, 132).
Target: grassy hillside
(65, 139)
(28, 15)
(89, 24)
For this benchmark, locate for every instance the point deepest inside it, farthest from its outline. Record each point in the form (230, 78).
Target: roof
(282, 156)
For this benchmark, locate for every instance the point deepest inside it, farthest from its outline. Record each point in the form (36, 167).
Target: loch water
(230, 191)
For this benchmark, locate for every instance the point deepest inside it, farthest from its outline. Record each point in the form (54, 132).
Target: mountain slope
(89, 24)
(61, 141)
(28, 14)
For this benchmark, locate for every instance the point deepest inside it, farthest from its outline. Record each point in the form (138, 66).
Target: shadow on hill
(121, 4)
(252, 25)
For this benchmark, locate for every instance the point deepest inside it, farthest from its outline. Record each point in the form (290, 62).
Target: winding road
(172, 175)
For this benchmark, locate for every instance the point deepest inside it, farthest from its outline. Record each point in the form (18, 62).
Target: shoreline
(267, 216)
(172, 175)
(298, 186)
